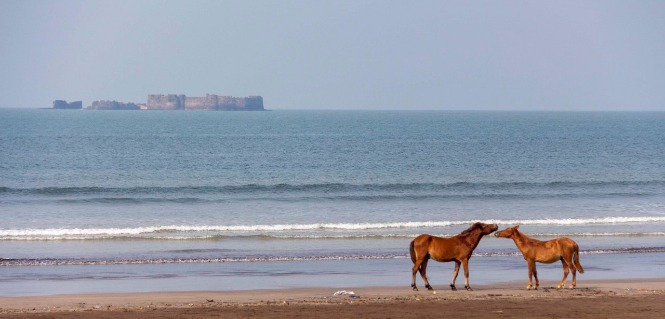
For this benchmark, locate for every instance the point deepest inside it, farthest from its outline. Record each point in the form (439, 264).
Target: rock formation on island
(113, 105)
(63, 105)
(210, 102)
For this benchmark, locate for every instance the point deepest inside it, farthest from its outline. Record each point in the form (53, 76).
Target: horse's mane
(470, 229)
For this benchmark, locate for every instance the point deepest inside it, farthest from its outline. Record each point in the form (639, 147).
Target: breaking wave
(314, 230)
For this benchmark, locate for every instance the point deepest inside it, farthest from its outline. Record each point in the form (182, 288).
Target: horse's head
(508, 232)
(485, 229)
(489, 228)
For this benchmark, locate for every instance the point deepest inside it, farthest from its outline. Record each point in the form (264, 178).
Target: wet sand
(591, 299)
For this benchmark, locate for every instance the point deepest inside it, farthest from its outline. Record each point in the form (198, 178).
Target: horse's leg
(574, 282)
(416, 267)
(465, 264)
(423, 273)
(455, 272)
(535, 276)
(532, 267)
(566, 266)
(574, 271)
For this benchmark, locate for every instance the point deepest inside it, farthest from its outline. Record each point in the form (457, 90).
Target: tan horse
(457, 248)
(533, 250)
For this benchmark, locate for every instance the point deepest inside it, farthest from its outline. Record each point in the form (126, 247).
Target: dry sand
(592, 299)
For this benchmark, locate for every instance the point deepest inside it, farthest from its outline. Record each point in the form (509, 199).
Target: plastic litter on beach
(344, 292)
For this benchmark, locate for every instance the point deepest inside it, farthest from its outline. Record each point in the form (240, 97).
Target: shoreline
(346, 274)
(639, 296)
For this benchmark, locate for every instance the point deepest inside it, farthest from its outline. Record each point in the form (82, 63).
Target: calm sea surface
(150, 200)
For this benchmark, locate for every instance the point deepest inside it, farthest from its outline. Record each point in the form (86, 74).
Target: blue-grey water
(95, 201)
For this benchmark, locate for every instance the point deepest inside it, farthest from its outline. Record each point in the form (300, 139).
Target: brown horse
(457, 248)
(533, 250)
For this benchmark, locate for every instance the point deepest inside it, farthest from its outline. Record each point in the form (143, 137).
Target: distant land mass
(210, 102)
(63, 105)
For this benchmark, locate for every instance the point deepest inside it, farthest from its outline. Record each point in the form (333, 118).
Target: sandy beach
(592, 299)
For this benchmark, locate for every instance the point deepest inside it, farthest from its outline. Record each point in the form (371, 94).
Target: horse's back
(566, 243)
(422, 237)
(422, 241)
(444, 248)
(430, 241)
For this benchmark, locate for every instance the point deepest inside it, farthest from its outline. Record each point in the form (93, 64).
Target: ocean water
(101, 201)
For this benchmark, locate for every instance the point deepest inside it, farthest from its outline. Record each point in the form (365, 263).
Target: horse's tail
(576, 259)
(412, 251)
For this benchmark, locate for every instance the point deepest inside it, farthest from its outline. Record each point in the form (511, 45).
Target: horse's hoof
(529, 287)
(414, 287)
(468, 288)
(559, 286)
(453, 288)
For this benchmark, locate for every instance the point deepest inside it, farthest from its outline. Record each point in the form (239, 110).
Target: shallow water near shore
(333, 274)
(95, 201)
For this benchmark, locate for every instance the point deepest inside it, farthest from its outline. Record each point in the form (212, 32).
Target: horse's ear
(516, 226)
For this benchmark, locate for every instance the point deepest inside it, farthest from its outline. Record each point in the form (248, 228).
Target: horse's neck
(520, 239)
(474, 237)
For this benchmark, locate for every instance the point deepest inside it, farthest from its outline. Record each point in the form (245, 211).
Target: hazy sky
(448, 55)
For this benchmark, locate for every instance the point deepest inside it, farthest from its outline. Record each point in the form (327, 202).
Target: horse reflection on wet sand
(457, 248)
(533, 250)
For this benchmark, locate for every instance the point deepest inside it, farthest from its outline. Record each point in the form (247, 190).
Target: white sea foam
(584, 221)
(291, 230)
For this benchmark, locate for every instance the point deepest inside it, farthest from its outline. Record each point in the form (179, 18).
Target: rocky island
(113, 105)
(210, 102)
(63, 105)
